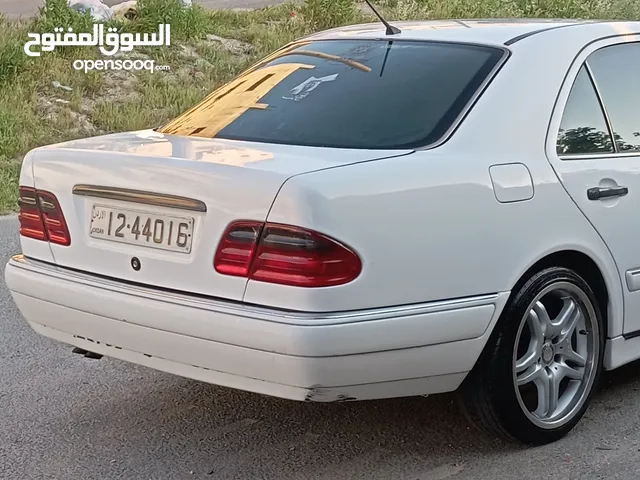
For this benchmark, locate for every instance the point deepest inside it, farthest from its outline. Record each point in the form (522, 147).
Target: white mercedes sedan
(365, 214)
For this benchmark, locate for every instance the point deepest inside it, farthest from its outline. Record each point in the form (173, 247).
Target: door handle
(597, 193)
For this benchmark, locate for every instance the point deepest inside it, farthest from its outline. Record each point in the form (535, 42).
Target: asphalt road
(63, 417)
(24, 8)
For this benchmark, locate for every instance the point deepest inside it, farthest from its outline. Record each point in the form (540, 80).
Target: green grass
(33, 112)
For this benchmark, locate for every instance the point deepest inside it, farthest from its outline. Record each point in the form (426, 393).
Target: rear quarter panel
(424, 231)
(428, 226)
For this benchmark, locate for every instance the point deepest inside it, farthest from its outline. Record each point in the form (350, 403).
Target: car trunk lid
(169, 199)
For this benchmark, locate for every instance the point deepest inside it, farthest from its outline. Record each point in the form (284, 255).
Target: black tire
(490, 398)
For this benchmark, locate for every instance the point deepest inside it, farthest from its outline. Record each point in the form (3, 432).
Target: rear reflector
(41, 217)
(285, 255)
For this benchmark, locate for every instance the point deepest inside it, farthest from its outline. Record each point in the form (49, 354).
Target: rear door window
(616, 72)
(375, 94)
(583, 129)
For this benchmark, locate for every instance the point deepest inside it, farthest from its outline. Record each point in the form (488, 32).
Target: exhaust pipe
(87, 354)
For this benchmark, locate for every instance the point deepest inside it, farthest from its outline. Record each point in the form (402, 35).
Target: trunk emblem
(135, 263)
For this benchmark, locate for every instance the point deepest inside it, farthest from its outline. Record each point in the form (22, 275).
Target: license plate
(146, 229)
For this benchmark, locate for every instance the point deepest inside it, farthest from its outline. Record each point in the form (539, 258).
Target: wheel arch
(601, 275)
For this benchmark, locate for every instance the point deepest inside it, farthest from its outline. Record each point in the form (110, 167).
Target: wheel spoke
(549, 329)
(530, 375)
(536, 327)
(564, 370)
(534, 348)
(570, 355)
(568, 319)
(543, 385)
(530, 358)
(554, 391)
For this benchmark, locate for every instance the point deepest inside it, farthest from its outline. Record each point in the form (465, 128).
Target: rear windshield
(375, 94)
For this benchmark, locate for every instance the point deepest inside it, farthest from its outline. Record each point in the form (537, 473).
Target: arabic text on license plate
(141, 228)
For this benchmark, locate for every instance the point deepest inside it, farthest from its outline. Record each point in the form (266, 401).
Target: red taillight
(31, 223)
(237, 247)
(41, 217)
(285, 255)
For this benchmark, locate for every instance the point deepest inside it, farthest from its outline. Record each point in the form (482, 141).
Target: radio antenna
(391, 30)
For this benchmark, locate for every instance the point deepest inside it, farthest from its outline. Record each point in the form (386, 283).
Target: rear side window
(616, 72)
(583, 129)
(376, 94)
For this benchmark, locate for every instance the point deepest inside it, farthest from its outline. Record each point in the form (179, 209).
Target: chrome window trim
(596, 156)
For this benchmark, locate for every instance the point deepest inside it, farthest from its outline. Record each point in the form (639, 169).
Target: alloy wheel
(556, 355)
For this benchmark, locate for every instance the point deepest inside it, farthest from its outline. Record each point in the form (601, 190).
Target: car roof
(490, 31)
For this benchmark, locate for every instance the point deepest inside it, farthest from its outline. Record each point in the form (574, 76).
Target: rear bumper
(381, 353)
